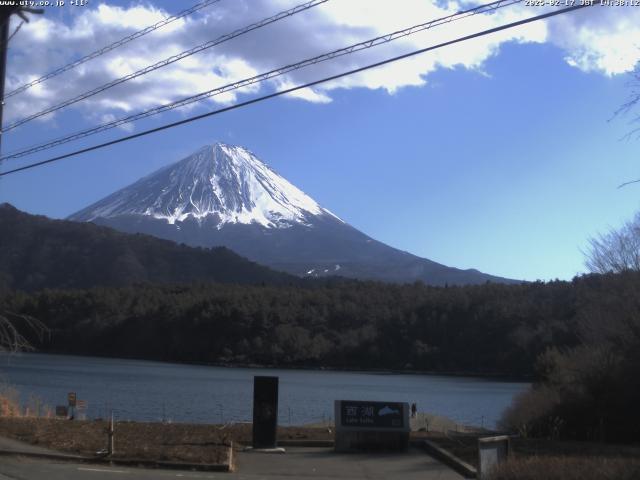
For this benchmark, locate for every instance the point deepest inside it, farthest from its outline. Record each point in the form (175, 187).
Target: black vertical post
(265, 411)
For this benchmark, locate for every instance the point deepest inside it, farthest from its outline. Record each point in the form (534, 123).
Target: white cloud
(600, 39)
(110, 117)
(308, 94)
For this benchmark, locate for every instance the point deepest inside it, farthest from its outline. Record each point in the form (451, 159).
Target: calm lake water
(153, 391)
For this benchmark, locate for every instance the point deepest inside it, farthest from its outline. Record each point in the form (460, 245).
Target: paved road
(18, 446)
(321, 463)
(12, 468)
(311, 463)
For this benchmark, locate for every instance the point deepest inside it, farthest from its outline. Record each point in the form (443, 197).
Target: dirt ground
(148, 441)
(209, 443)
(197, 443)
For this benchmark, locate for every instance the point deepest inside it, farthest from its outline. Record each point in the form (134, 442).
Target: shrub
(9, 402)
(532, 413)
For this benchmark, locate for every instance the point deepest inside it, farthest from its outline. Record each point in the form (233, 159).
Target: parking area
(321, 463)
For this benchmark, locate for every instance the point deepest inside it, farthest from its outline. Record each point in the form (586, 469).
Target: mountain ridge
(37, 252)
(223, 195)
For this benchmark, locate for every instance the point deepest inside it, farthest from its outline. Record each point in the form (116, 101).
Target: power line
(168, 61)
(111, 46)
(263, 77)
(300, 87)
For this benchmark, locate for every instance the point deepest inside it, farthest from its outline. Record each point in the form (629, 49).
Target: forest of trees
(591, 390)
(489, 329)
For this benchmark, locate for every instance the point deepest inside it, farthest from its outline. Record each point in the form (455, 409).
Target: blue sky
(501, 156)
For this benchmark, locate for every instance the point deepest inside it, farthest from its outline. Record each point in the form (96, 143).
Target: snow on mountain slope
(219, 181)
(223, 195)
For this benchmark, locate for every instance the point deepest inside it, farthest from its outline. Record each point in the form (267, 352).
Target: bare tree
(630, 107)
(616, 251)
(632, 103)
(14, 327)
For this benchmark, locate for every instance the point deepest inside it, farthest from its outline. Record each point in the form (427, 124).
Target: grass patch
(465, 447)
(567, 468)
(195, 443)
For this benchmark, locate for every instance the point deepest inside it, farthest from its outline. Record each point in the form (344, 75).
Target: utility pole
(5, 19)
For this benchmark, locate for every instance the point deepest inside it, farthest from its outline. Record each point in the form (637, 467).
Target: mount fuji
(223, 195)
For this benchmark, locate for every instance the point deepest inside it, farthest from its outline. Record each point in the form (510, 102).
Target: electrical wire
(168, 61)
(261, 77)
(112, 46)
(300, 87)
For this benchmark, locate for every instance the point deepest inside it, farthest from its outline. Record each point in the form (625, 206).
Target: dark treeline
(488, 329)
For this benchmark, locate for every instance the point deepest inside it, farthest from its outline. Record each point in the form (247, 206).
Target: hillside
(37, 252)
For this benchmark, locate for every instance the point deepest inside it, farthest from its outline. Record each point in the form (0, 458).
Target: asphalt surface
(17, 446)
(22, 468)
(324, 463)
(312, 463)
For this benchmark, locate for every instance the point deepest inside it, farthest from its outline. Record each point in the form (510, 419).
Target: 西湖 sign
(368, 425)
(372, 414)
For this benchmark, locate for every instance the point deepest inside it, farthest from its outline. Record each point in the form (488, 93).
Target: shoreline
(457, 374)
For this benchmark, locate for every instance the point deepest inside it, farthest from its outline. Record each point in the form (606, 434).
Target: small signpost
(71, 400)
(265, 412)
(110, 434)
(362, 425)
(491, 452)
(81, 407)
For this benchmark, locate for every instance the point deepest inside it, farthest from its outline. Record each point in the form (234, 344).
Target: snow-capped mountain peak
(223, 195)
(224, 182)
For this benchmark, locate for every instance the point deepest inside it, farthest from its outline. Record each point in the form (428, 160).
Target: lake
(156, 391)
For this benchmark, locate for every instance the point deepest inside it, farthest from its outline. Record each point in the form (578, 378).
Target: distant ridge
(37, 252)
